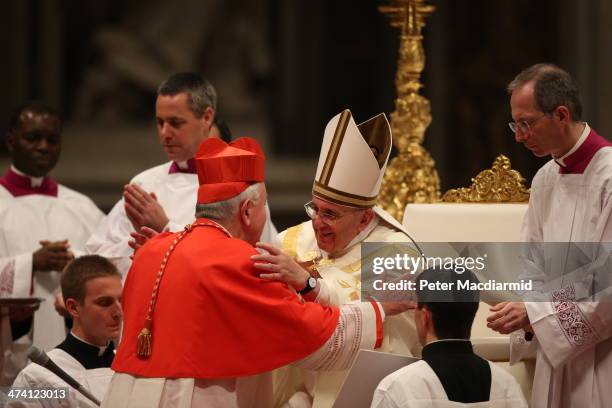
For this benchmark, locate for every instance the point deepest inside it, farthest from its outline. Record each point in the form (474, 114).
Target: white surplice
(356, 330)
(24, 222)
(341, 283)
(418, 386)
(177, 194)
(573, 328)
(95, 381)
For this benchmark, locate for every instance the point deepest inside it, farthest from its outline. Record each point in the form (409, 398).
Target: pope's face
(35, 145)
(100, 314)
(180, 131)
(333, 236)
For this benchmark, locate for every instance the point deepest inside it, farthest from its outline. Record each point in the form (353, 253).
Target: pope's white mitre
(353, 160)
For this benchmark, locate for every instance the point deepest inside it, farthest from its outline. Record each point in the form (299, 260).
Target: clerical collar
(188, 166)
(89, 355)
(454, 346)
(20, 184)
(34, 181)
(579, 157)
(581, 139)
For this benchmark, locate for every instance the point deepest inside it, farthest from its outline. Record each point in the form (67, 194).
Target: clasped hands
(508, 317)
(143, 209)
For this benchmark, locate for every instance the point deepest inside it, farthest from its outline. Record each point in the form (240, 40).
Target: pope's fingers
(269, 247)
(271, 276)
(265, 266)
(264, 257)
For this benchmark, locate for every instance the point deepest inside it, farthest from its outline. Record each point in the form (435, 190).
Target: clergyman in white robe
(25, 220)
(570, 211)
(89, 365)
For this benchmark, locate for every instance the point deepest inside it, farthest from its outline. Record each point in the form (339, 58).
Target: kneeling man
(450, 374)
(91, 286)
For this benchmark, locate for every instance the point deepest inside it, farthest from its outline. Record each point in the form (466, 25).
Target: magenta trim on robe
(191, 167)
(19, 185)
(578, 161)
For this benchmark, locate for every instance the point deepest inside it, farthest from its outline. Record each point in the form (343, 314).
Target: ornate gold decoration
(411, 177)
(499, 184)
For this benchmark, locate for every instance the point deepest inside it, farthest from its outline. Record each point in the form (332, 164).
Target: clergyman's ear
(562, 113)
(245, 212)
(71, 307)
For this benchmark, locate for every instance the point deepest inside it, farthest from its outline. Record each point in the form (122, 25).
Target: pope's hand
(143, 209)
(280, 266)
(508, 317)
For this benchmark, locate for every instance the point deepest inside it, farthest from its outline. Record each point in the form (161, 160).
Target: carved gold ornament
(499, 184)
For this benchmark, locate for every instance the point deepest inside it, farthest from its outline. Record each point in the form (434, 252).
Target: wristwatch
(311, 283)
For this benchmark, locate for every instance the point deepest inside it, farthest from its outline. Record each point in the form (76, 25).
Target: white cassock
(417, 386)
(177, 194)
(573, 329)
(356, 330)
(340, 283)
(95, 381)
(24, 222)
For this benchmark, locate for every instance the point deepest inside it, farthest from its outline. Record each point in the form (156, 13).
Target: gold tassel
(143, 347)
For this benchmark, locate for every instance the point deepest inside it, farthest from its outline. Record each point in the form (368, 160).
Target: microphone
(41, 358)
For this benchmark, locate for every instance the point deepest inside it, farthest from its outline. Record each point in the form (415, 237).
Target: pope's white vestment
(341, 283)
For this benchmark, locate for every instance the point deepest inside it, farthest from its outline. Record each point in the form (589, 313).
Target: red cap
(226, 170)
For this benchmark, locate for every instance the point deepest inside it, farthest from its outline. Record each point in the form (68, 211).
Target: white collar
(34, 181)
(101, 349)
(576, 146)
(182, 165)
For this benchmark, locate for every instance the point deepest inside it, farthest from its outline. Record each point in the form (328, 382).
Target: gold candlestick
(411, 177)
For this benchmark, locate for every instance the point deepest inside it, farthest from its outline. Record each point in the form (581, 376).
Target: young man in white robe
(322, 258)
(91, 286)
(571, 201)
(162, 197)
(42, 225)
(450, 374)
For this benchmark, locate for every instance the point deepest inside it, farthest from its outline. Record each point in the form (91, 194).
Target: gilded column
(411, 177)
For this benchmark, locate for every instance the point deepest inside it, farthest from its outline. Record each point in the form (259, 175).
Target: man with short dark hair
(567, 317)
(91, 286)
(162, 197)
(42, 225)
(449, 372)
